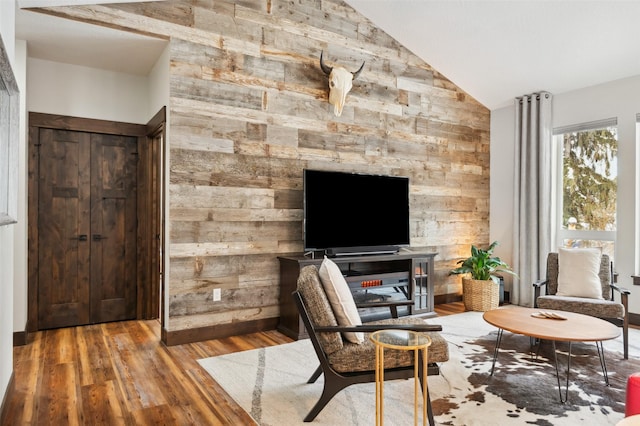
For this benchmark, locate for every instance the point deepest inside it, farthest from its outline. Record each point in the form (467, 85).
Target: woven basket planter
(479, 295)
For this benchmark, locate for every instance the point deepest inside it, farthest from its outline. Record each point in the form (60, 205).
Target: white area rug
(270, 384)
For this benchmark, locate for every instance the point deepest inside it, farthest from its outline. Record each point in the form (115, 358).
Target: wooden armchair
(344, 363)
(606, 308)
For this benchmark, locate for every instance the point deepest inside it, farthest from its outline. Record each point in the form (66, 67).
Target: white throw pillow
(341, 299)
(578, 273)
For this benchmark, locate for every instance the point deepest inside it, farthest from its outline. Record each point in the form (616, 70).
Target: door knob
(98, 237)
(82, 237)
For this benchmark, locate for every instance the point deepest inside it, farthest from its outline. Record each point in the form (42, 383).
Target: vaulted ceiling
(494, 50)
(497, 50)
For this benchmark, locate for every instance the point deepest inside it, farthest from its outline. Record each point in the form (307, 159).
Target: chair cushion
(319, 308)
(341, 299)
(580, 305)
(578, 273)
(552, 275)
(362, 357)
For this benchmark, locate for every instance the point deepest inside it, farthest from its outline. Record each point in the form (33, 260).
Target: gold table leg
(379, 386)
(379, 376)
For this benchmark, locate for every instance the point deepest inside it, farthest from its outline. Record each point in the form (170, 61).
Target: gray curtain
(533, 194)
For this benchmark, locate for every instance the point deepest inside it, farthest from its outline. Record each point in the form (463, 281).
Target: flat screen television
(350, 213)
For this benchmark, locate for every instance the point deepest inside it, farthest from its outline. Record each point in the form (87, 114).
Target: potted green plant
(481, 288)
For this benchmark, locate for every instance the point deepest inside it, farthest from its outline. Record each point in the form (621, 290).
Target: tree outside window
(589, 188)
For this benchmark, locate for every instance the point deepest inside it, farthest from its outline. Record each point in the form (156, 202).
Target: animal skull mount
(340, 82)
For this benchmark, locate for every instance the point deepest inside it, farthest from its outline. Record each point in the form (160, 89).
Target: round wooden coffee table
(570, 327)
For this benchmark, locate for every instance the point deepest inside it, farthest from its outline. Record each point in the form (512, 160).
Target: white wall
(20, 248)
(501, 185)
(158, 84)
(57, 88)
(7, 30)
(614, 99)
(8, 26)
(6, 313)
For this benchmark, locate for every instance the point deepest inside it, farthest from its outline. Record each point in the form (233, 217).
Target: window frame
(9, 140)
(561, 233)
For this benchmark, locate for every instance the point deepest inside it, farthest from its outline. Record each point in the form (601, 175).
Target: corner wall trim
(179, 337)
(19, 338)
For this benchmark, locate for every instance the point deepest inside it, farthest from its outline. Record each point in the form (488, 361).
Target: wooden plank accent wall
(249, 112)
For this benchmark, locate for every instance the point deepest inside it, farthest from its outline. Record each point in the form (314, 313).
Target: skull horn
(357, 73)
(326, 69)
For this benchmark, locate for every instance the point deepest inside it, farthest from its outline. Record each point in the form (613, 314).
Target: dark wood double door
(95, 220)
(86, 227)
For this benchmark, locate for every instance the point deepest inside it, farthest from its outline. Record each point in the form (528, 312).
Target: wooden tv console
(405, 275)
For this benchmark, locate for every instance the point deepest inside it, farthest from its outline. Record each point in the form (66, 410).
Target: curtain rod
(547, 95)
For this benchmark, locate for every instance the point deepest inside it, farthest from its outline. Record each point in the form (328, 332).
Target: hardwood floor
(121, 374)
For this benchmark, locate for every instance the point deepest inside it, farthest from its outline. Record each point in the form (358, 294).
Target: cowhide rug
(523, 388)
(270, 384)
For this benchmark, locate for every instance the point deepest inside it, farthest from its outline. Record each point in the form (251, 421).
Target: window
(9, 139)
(587, 185)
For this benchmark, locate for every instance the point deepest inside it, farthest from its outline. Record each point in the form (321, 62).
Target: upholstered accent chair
(616, 312)
(343, 362)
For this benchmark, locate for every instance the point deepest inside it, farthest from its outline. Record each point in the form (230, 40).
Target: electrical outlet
(217, 295)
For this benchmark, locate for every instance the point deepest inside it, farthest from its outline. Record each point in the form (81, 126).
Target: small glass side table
(403, 340)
